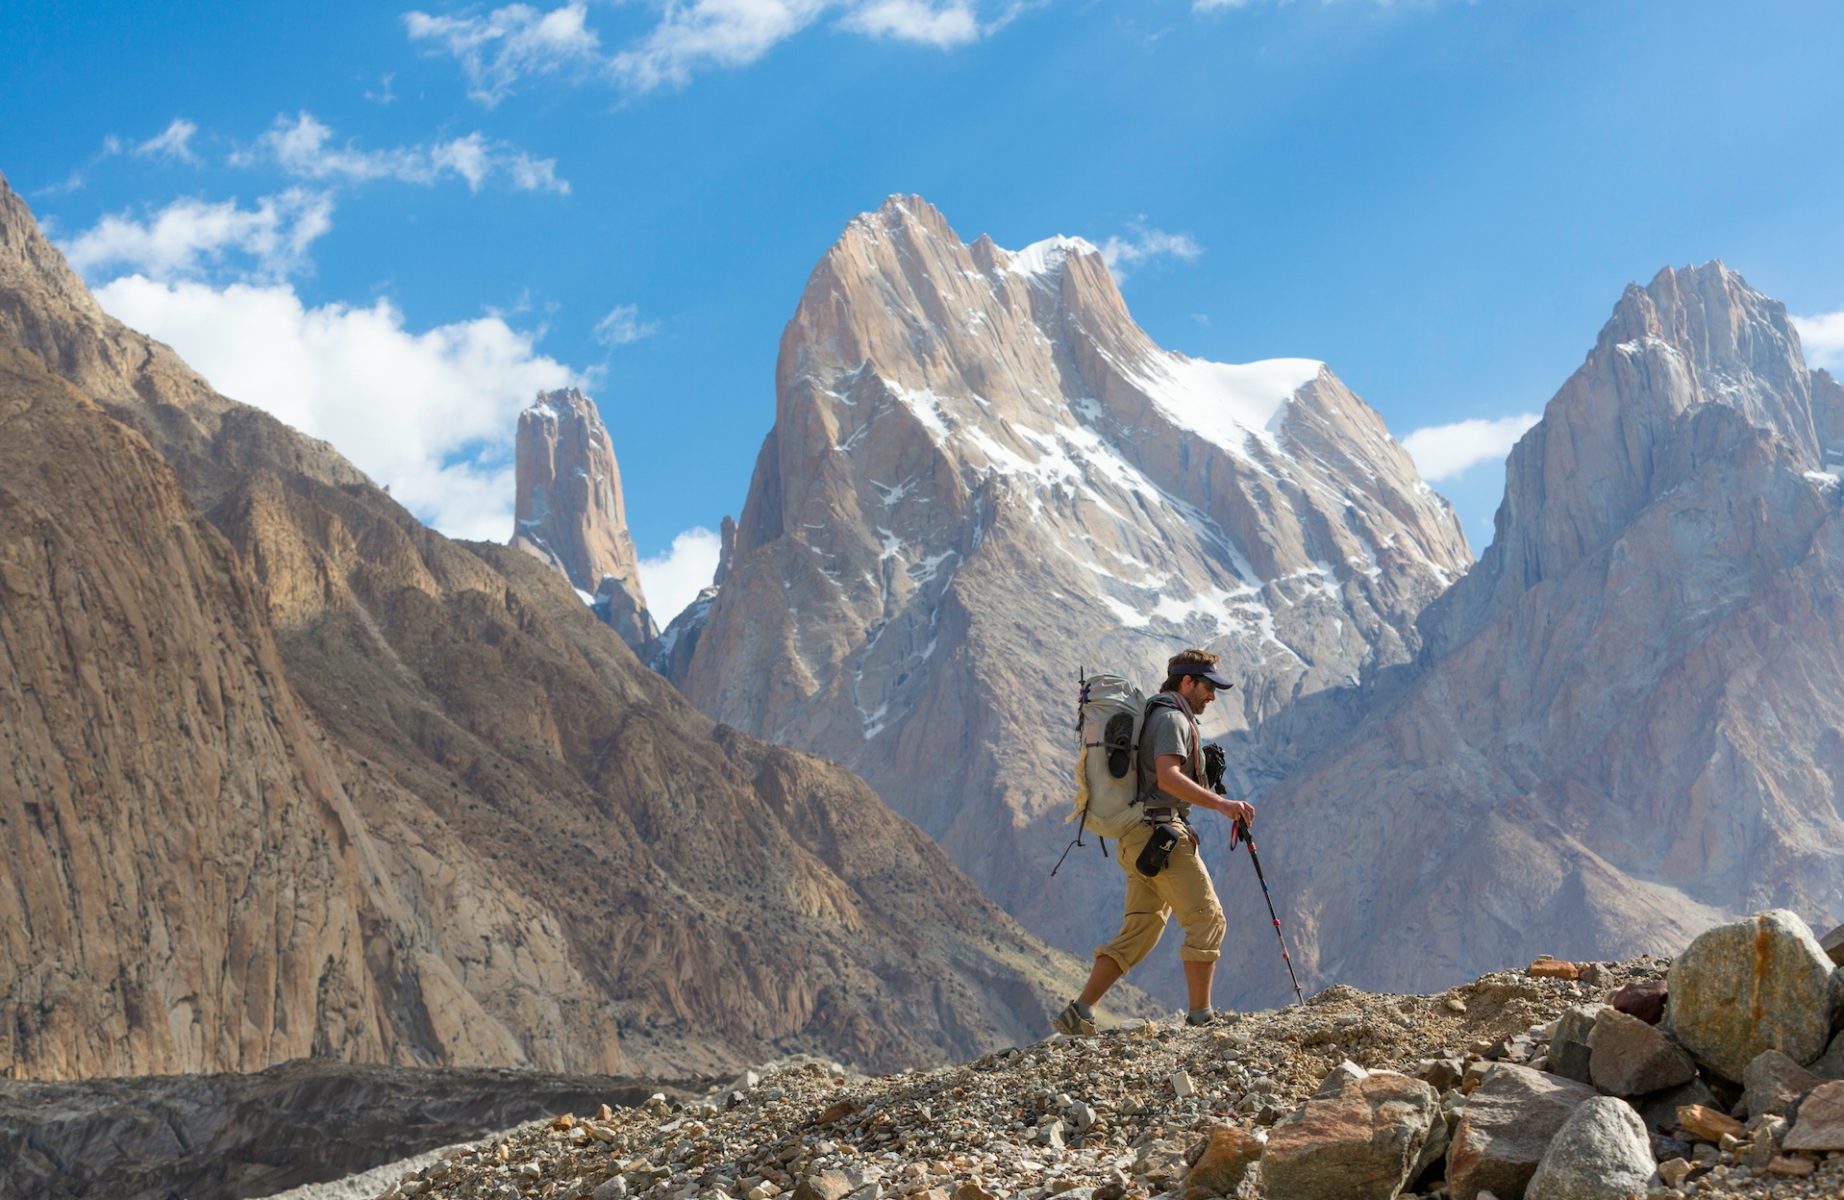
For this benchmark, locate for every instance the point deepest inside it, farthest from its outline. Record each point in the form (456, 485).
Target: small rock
(972, 1190)
(1674, 1171)
(1818, 1120)
(1568, 1047)
(1344, 1073)
(1600, 1153)
(826, 1185)
(1644, 998)
(1182, 1087)
(1660, 1110)
(837, 1111)
(1552, 968)
(1455, 1004)
(1706, 1124)
(1792, 1165)
(1772, 1081)
(1228, 1152)
(1628, 1057)
(1162, 1161)
(566, 1121)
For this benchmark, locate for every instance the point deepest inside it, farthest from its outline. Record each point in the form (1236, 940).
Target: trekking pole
(1215, 762)
(1242, 827)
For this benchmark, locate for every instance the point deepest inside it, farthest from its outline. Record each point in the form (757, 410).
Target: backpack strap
(1166, 700)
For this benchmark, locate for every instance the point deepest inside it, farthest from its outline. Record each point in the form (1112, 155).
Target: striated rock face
(570, 513)
(1626, 724)
(285, 773)
(983, 476)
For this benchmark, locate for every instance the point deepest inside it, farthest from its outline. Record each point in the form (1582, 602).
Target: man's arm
(1174, 782)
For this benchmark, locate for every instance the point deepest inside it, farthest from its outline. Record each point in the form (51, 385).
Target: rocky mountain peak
(570, 511)
(1697, 345)
(983, 476)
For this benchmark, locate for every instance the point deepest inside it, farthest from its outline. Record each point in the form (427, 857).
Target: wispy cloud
(1123, 254)
(498, 52)
(510, 44)
(944, 25)
(190, 236)
(303, 146)
(1446, 451)
(623, 325)
(175, 142)
(673, 580)
(432, 413)
(1823, 339)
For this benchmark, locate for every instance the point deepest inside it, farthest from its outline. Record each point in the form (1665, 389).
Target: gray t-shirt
(1168, 731)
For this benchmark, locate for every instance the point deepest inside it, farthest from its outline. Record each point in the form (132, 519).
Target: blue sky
(391, 225)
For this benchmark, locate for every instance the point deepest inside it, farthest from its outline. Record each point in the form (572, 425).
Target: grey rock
(1506, 1126)
(1818, 1119)
(1628, 1057)
(1363, 1142)
(1568, 1049)
(1600, 1153)
(1660, 1109)
(1772, 1081)
(1761, 983)
(1830, 1064)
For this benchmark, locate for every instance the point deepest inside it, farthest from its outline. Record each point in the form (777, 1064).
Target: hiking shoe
(1210, 1018)
(1071, 1023)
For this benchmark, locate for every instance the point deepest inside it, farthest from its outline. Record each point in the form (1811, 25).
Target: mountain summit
(984, 476)
(570, 512)
(1626, 724)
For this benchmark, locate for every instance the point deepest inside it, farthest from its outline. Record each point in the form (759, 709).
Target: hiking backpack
(1110, 713)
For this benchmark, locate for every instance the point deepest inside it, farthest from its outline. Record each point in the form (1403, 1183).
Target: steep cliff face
(287, 773)
(1627, 722)
(570, 511)
(983, 476)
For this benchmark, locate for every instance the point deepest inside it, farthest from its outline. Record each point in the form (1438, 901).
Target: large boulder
(1506, 1126)
(1601, 1152)
(1761, 983)
(1773, 1081)
(1628, 1057)
(1361, 1141)
(1225, 1157)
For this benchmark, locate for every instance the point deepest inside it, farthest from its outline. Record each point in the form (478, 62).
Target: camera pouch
(1158, 850)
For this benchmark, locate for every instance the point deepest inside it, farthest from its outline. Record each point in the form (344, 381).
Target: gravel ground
(1107, 1118)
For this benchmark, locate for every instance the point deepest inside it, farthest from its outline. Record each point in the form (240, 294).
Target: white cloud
(499, 51)
(623, 325)
(303, 147)
(174, 142)
(673, 580)
(509, 44)
(1446, 451)
(432, 414)
(1823, 339)
(947, 25)
(184, 238)
(1124, 253)
(723, 33)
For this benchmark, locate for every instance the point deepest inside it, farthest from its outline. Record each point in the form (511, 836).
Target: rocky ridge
(570, 511)
(1625, 723)
(1515, 1085)
(284, 773)
(984, 476)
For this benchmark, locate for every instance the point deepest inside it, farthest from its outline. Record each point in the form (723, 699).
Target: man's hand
(1236, 810)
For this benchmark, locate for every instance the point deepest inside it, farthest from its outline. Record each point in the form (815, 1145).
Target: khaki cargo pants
(1183, 889)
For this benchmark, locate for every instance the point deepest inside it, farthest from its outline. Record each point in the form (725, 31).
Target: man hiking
(1170, 784)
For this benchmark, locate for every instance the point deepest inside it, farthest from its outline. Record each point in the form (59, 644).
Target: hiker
(1170, 784)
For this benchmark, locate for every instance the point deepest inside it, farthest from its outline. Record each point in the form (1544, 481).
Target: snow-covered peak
(1042, 260)
(1225, 402)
